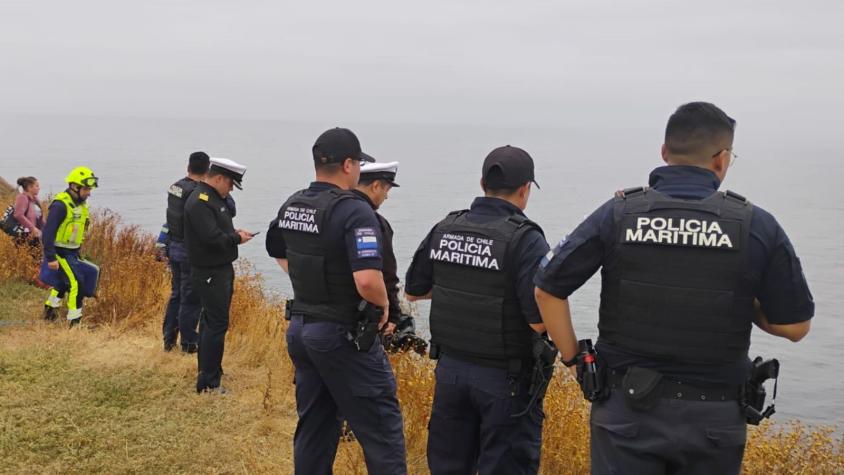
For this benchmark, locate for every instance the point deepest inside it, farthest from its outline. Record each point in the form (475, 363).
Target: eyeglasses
(733, 155)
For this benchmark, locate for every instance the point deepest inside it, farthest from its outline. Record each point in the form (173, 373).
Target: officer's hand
(245, 236)
(36, 233)
(54, 265)
(389, 328)
(385, 315)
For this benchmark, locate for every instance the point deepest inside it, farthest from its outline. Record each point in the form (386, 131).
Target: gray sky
(482, 62)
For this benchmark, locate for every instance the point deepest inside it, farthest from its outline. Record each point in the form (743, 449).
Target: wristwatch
(571, 362)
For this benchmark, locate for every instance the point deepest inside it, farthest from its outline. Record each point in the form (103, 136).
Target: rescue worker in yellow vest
(63, 234)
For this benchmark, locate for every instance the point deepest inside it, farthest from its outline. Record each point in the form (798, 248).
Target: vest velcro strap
(735, 196)
(627, 192)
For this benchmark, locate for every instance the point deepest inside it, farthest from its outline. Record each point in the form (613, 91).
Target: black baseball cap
(338, 144)
(508, 167)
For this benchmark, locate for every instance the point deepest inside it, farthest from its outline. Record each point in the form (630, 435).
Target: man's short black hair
(198, 163)
(696, 127)
(493, 176)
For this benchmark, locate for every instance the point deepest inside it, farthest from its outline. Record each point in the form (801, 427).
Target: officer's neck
(195, 177)
(337, 180)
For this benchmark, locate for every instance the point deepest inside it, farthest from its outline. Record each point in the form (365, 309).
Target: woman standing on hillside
(28, 216)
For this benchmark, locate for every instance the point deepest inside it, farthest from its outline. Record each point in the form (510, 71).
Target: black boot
(50, 313)
(169, 345)
(75, 322)
(190, 348)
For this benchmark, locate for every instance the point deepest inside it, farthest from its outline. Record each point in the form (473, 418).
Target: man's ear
(664, 152)
(721, 161)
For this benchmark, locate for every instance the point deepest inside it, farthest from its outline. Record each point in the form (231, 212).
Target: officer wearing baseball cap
(686, 271)
(330, 243)
(212, 241)
(477, 267)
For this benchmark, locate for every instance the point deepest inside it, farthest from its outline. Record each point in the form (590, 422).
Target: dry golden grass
(110, 400)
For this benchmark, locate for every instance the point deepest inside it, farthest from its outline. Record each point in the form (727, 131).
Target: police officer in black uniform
(686, 271)
(330, 243)
(182, 313)
(212, 242)
(376, 181)
(477, 267)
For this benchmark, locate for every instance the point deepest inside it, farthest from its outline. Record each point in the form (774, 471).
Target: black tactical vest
(177, 195)
(474, 309)
(323, 285)
(674, 283)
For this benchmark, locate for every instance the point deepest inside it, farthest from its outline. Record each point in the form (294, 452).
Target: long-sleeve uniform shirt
(527, 254)
(209, 232)
(390, 266)
(773, 268)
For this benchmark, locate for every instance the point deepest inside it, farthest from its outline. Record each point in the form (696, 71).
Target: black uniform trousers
(182, 313)
(675, 437)
(215, 286)
(332, 377)
(471, 428)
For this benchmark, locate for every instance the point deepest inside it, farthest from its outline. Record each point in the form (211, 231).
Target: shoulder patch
(366, 243)
(203, 196)
(176, 190)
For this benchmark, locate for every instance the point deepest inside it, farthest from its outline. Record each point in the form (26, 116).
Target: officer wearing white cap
(477, 267)
(212, 241)
(376, 180)
(330, 243)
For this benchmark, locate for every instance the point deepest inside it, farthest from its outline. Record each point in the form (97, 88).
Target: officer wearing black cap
(686, 271)
(212, 242)
(329, 241)
(477, 267)
(182, 313)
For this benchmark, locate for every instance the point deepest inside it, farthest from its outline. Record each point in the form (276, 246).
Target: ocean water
(578, 168)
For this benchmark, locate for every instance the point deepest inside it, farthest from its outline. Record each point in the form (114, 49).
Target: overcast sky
(432, 61)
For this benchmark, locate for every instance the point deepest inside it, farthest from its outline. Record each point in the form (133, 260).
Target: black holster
(365, 331)
(288, 309)
(753, 393)
(544, 357)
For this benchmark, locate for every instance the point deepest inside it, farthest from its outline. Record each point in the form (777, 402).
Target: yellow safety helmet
(82, 176)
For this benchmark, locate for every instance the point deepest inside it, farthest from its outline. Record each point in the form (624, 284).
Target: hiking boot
(169, 345)
(190, 348)
(75, 322)
(50, 313)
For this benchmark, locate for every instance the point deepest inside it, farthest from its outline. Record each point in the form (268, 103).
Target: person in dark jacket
(477, 267)
(182, 313)
(211, 241)
(686, 270)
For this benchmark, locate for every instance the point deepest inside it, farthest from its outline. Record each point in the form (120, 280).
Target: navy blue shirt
(529, 251)
(347, 220)
(773, 267)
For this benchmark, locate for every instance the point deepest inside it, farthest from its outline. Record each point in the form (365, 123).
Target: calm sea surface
(137, 159)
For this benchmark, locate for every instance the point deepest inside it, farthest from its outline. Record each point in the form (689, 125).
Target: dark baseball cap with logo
(508, 167)
(338, 144)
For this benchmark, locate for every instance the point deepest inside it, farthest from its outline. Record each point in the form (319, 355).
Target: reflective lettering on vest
(176, 190)
(682, 232)
(299, 218)
(466, 250)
